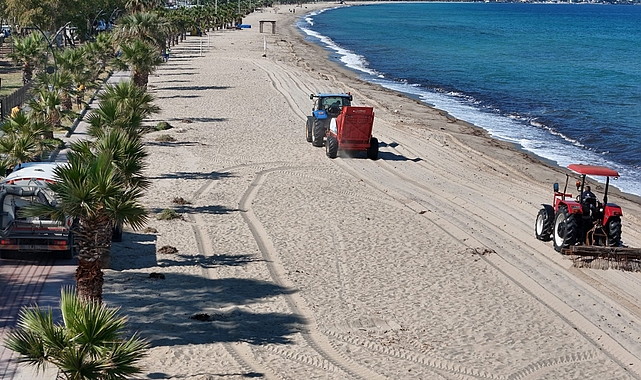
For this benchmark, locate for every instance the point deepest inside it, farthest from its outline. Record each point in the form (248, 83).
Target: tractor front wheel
(331, 146)
(613, 229)
(308, 129)
(318, 132)
(543, 225)
(372, 151)
(566, 229)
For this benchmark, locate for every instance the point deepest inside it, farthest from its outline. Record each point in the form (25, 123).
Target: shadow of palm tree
(163, 310)
(179, 97)
(196, 88)
(210, 261)
(171, 143)
(195, 175)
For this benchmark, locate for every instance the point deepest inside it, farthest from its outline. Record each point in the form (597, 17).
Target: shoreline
(421, 264)
(357, 77)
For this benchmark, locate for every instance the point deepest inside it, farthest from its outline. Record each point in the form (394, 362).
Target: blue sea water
(563, 81)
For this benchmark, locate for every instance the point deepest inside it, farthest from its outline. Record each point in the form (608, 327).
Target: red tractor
(584, 220)
(351, 131)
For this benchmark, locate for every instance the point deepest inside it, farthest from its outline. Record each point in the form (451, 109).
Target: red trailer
(351, 130)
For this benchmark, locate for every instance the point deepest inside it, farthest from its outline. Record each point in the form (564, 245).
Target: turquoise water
(562, 81)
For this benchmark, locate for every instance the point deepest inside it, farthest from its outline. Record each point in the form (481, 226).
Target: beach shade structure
(585, 227)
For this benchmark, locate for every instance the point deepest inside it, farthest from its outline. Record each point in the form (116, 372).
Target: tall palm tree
(28, 52)
(141, 58)
(147, 26)
(89, 343)
(92, 190)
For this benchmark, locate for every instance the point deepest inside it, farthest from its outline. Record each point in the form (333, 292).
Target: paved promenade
(38, 281)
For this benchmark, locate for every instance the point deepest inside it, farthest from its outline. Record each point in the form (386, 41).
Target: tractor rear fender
(320, 114)
(611, 210)
(549, 210)
(573, 206)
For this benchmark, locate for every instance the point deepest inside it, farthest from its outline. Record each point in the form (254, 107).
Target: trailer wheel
(331, 147)
(308, 129)
(318, 132)
(543, 225)
(566, 229)
(613, 229)
(372, 151)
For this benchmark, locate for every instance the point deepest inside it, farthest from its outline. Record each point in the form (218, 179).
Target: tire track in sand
(328, 358)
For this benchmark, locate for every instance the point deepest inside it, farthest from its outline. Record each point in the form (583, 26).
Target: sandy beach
(286, 264)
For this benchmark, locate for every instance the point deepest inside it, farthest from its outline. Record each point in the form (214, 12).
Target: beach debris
(150, 230)
(167, 250)
(169, 214)
(186, 121)
(156, 275)
(181, 130)
(480, 251)
(180, 201)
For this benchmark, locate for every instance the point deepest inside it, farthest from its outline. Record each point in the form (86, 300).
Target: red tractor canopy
(593, 170)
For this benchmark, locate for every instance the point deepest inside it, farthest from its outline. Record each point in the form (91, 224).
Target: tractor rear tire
(331, 146)
(613, 229)
(566, 229)
(308, 129)
(318, 132)
(543, 225)
(372, 151)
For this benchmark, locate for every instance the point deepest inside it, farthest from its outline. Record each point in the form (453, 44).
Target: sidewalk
(39, 282)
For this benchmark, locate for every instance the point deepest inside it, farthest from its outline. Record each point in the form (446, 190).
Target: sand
(286, 264)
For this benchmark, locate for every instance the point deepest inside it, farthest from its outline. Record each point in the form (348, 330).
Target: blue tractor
(326, 107)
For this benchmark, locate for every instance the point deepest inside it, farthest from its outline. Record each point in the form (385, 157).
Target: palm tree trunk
(89, 280)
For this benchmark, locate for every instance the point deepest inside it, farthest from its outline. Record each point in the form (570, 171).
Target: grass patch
(165, 138)
(163, 126)
(168, 214)
(10, 74)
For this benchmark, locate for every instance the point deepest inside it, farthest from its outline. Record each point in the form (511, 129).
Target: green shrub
(163, 126)
(168, 214)
(165, 138)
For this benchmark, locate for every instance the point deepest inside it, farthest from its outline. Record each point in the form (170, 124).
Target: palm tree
(22, 140)
(46, 108)
(88, 344)
(29, 53)
(93, 190)
(61, 82)
(141, 58)
(148, 27)
(109, 116)
(130, 98)
(99, 53)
